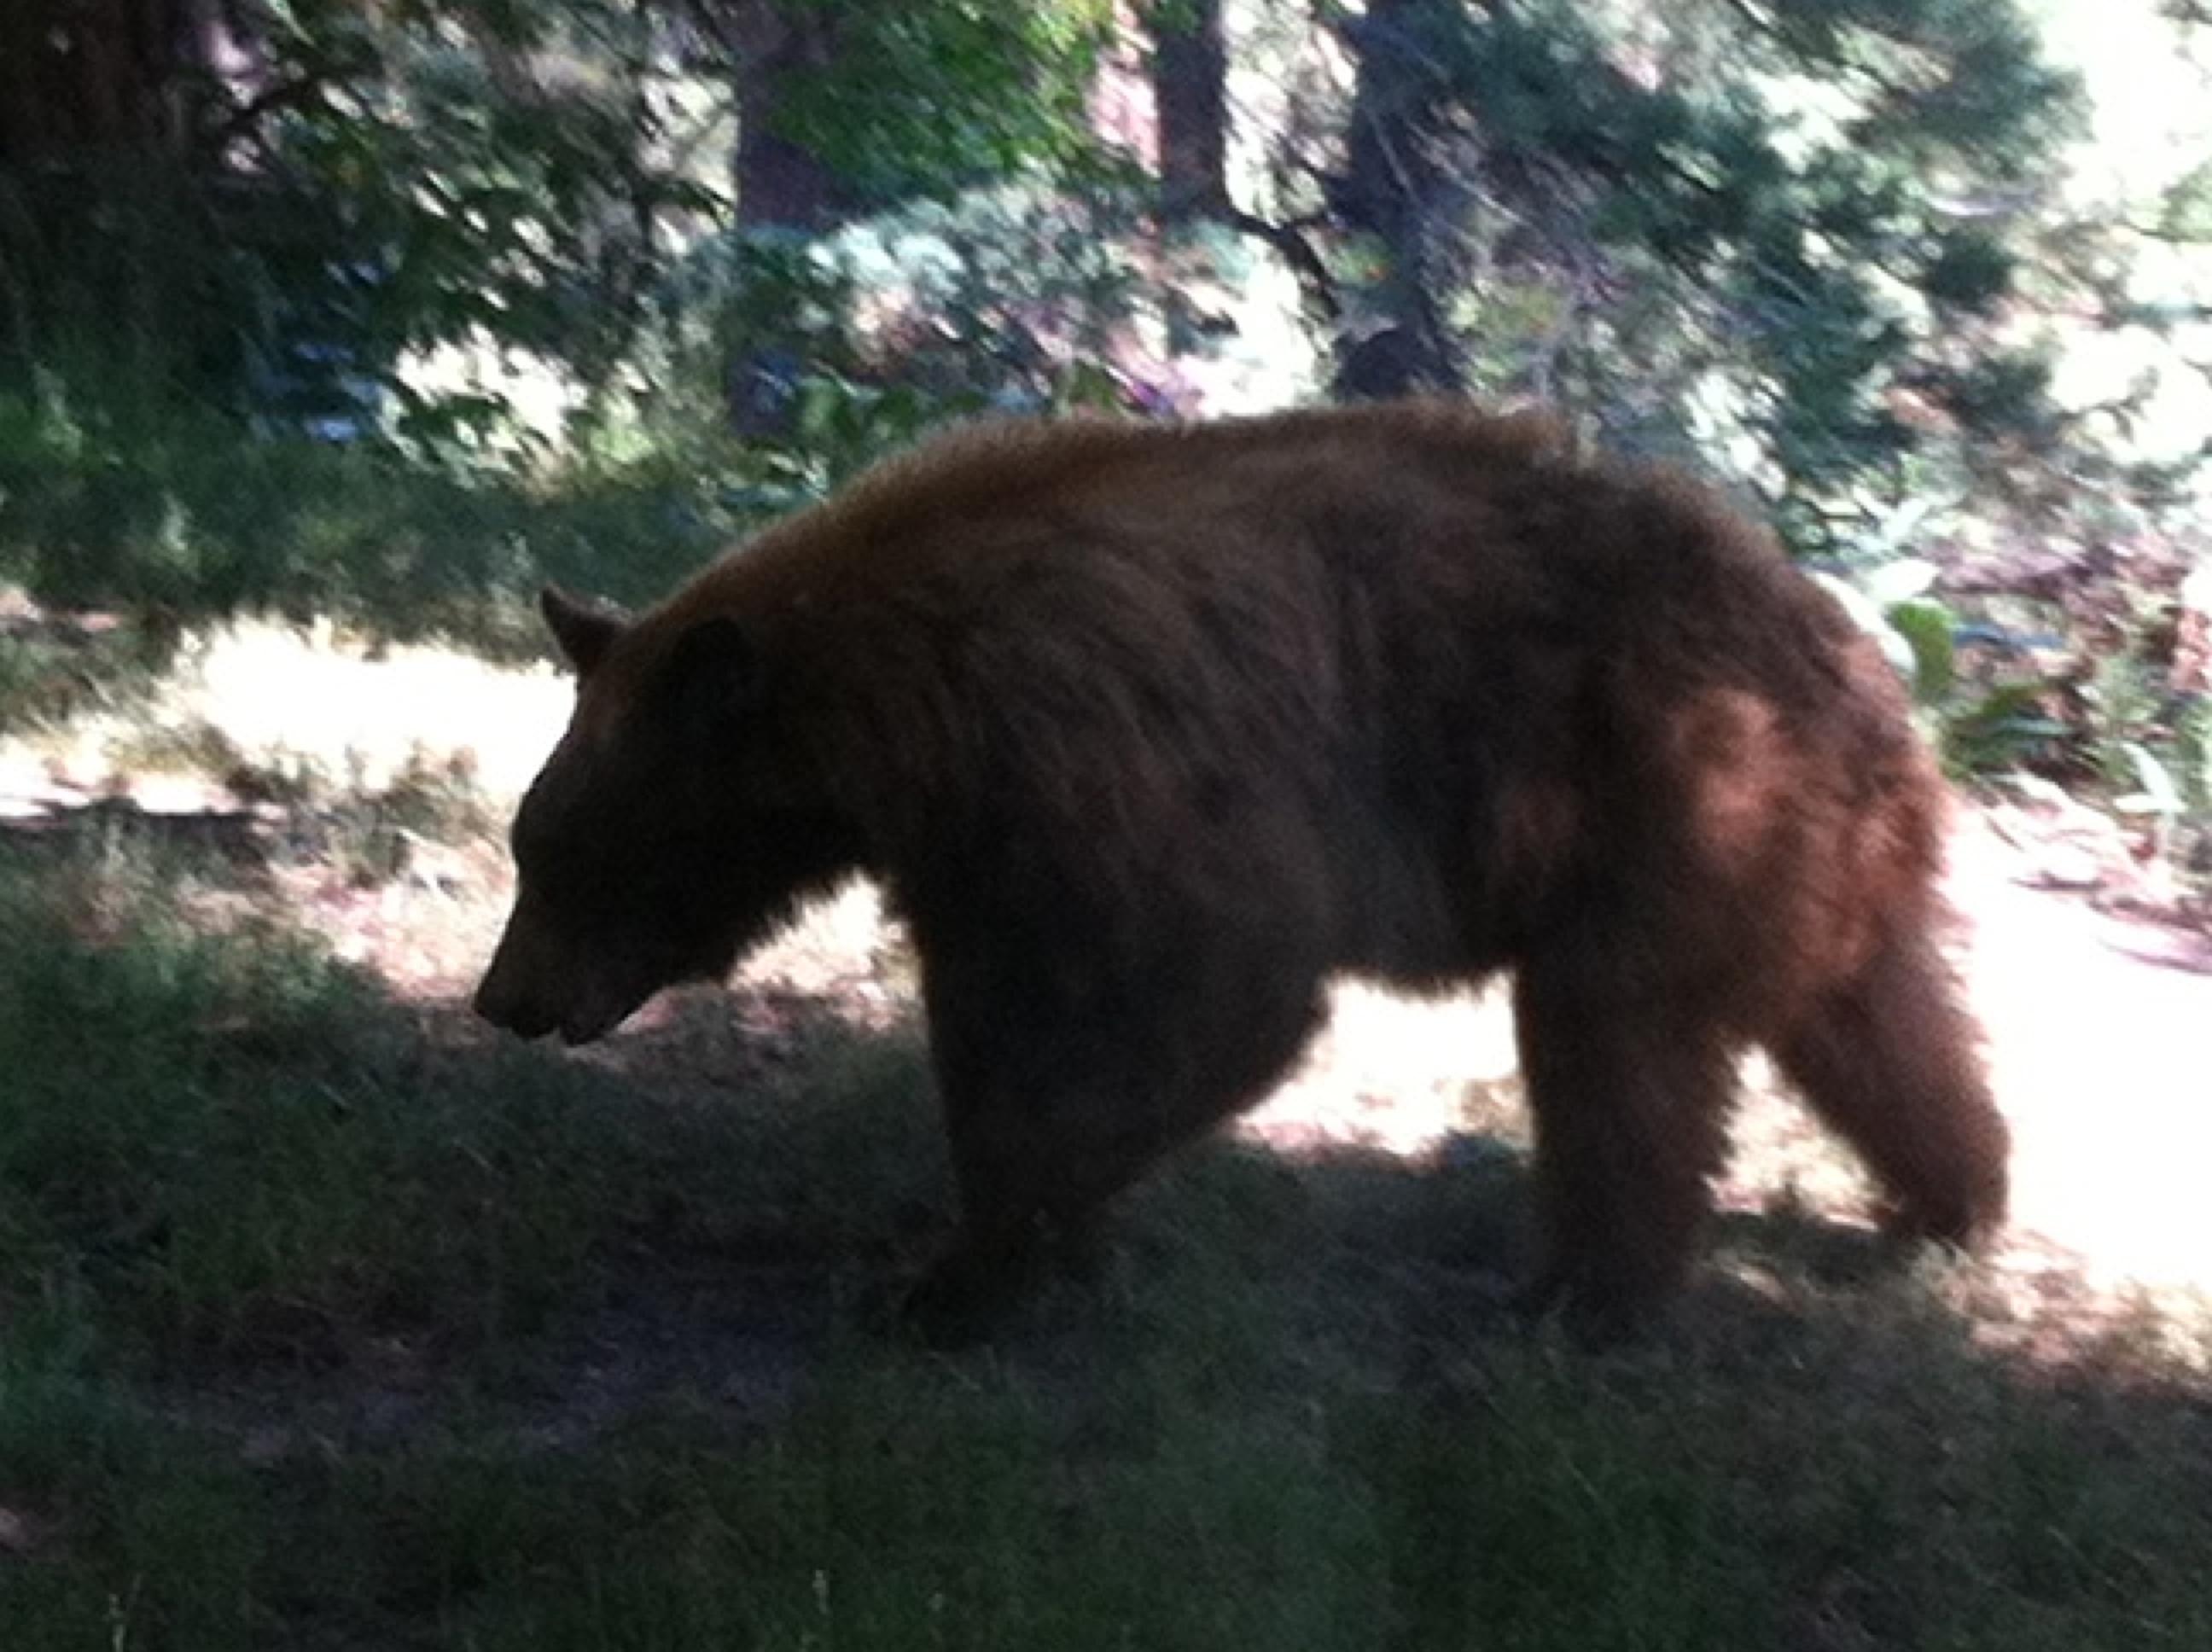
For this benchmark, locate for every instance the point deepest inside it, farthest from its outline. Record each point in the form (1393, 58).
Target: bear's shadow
(842, 1108)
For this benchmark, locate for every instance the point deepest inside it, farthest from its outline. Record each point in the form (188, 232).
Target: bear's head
(670, 829)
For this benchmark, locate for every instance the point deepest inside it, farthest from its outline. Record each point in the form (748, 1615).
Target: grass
(329, 1323)
(171, 517)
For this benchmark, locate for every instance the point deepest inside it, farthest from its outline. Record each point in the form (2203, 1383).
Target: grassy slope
(330, 1324)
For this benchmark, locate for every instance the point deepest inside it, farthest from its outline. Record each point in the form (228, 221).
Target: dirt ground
(2100, 1036)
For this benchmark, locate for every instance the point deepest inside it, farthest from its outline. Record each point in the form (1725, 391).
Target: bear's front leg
(986, 1270)
(1033, 1181)
(1629, 1080)
(1034, 1168)
(1055, 1100)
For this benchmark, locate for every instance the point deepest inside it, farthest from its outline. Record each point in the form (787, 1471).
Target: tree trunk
(780, 182)
(1189, 75)
(771, 46)
(1391, 188)
(99, 79)
(108, 100)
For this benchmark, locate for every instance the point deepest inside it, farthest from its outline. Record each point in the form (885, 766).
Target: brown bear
(1147, 730)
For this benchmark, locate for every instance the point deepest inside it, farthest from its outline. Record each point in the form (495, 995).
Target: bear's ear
(584, 630)
(713, 678)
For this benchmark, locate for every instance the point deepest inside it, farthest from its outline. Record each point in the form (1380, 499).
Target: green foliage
(928, 100)
(186, 519)
(351, 189)
(1827, 250)
(1970, 271)
(852, 345)
(393, 312)
(2185, 215)
(1818, 245)
(405, 178)
(2001, 728)
(2193, 739)
(1927, 628)
(1984, 727)
(1780, 226)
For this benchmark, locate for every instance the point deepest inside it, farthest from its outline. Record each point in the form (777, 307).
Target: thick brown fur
(1148, 731)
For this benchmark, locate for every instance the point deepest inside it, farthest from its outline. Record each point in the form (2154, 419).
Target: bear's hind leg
(1889, 1060)
(1630, 1083)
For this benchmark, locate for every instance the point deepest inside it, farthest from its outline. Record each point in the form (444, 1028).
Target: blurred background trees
(390, 307)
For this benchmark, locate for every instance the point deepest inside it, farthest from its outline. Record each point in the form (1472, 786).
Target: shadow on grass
(75, 832)
(331, 1320)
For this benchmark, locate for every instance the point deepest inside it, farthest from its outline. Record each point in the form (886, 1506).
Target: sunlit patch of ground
(2100, 1030)
(2100, 1038)
(294, 701)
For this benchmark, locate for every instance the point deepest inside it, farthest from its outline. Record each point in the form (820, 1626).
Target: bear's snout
(529, 988)
(503, 998)
(535, 986)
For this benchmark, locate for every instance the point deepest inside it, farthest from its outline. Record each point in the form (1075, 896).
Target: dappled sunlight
(259, 729)
(2099, 1029)
(2101, 1040)
(438, 1253)
(334, 1314)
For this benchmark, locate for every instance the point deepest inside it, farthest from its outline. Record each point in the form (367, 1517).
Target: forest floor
(329, 1318)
